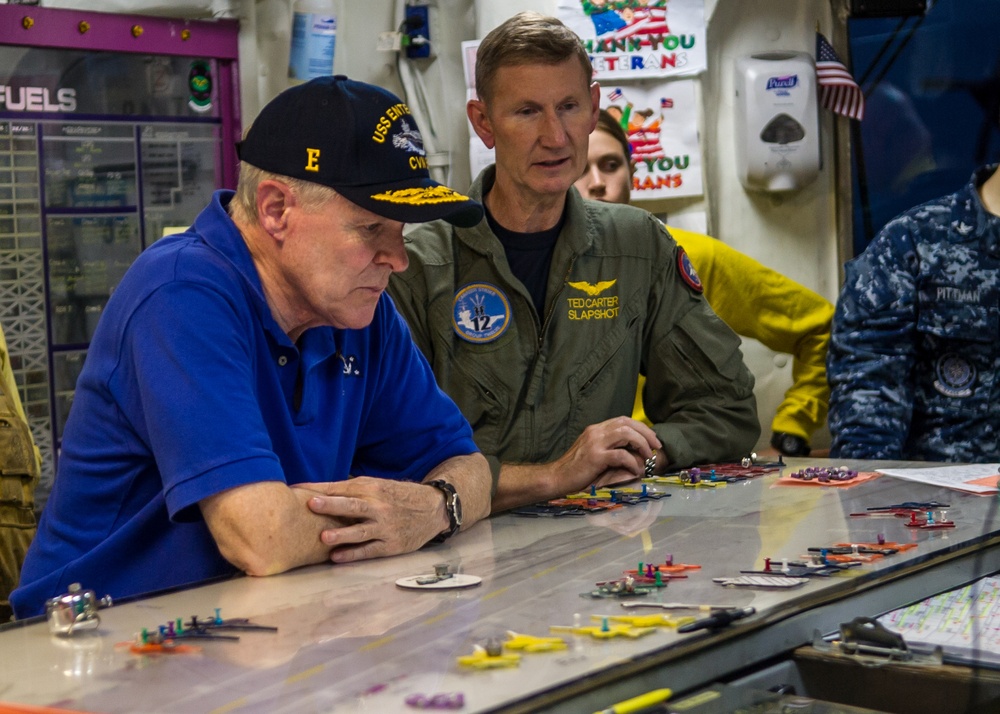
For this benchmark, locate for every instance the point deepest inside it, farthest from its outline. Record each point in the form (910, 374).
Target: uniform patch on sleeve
(688, 274)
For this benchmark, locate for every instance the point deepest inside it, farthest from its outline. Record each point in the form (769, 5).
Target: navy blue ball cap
(359, 140)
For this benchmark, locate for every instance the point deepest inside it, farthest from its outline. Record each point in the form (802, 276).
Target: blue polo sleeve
(187, 382)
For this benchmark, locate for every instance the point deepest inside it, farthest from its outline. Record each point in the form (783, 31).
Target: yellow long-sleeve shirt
(783, 315)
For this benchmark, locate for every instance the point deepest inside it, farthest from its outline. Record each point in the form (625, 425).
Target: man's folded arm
(265, 528)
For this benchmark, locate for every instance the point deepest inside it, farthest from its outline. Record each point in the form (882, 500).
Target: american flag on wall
(838, 91)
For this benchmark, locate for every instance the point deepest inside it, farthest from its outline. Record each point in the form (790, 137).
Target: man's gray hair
(243, 207)
(526, 38)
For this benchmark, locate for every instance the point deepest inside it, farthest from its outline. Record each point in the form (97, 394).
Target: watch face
(457, 507)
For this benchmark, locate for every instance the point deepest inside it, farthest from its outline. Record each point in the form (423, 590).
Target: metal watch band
(452, 506)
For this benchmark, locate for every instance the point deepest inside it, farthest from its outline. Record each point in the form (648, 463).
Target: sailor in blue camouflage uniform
(915, 352)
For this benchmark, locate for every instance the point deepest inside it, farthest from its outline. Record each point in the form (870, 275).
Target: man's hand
(608, 452)
(385, 517)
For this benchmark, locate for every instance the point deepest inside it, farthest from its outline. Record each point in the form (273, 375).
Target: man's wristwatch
(789, 444)
(453, 507)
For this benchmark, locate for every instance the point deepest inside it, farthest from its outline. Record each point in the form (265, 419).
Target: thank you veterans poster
(639, 38)
(660, 120)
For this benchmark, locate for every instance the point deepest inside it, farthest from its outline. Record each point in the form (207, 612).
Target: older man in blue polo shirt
(244, 370)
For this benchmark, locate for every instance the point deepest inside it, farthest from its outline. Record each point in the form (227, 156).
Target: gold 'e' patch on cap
(312, 159)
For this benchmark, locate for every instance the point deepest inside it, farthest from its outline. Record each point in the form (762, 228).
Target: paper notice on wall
(632, 39)
(479, 156)
(469, 49)
(661, 122)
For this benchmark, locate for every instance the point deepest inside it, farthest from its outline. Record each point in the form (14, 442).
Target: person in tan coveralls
(20, 466)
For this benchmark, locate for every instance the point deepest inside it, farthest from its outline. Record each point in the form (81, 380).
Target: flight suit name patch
(603, 308)
(593, 307)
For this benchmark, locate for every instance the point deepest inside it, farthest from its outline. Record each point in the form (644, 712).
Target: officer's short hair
(526, 38)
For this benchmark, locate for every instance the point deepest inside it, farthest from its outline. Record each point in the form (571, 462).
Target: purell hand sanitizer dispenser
(777, 130)
(314, 39)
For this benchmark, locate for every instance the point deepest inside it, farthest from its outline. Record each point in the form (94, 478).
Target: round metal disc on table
(458, 580)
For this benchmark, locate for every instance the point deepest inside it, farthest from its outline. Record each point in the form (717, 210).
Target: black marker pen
(718, 619)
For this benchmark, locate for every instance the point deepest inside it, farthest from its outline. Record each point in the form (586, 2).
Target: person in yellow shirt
(752, 299)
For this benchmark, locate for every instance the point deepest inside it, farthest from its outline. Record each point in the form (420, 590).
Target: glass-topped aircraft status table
(349, 639)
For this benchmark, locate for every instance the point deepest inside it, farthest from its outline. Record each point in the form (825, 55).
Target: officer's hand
(609, 452)
(383, 517)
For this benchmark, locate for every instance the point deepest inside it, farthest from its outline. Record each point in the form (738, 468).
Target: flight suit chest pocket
(484, 398)
(604, 359)
(481, 378)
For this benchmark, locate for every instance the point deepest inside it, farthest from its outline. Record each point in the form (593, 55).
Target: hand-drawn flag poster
(639, 38)
(661, 123)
